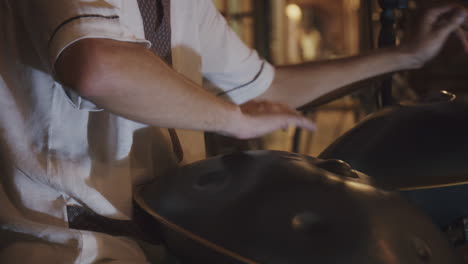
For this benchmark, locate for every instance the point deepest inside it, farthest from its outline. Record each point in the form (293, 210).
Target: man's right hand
(257, 118)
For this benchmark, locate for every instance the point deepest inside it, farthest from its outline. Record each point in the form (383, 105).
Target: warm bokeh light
(293, 12)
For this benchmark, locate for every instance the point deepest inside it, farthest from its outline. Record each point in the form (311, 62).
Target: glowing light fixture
(294, 12)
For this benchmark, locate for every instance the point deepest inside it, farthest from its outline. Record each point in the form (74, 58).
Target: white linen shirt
(58, 149)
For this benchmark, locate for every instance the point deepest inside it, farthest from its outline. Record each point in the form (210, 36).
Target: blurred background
(297, 31)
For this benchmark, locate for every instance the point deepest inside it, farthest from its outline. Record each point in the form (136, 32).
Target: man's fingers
(295, 118)
(441, 17)
(463, 36)
(306, 123)
(452, 23)
(434, 14)
(265, 117)
(465, 23)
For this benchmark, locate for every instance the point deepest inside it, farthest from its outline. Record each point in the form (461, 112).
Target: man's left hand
(435, 28)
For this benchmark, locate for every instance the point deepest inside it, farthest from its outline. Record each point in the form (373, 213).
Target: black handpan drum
(277, 207)
(420, 149)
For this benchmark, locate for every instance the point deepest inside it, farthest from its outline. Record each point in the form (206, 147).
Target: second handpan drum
(277, 207)
(420, 149)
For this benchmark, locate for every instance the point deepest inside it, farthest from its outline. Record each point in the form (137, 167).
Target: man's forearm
(297, 85)
(301, 84)
(131, 81)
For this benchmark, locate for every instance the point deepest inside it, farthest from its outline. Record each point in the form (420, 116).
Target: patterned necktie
(156, 16)
(157, 24)
(156, 19)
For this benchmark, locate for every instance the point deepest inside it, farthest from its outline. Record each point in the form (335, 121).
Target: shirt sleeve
(232, 70)
(54, 25)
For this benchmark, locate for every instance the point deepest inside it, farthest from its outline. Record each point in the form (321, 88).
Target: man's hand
(261, 117)
(435, 28)
(462, 34)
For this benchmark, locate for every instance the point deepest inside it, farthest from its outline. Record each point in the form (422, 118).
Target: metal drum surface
(421, 150)
(277, 207)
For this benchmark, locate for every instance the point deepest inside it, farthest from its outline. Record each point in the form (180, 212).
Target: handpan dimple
(307, 222)
(338, 167)
(211, 181)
